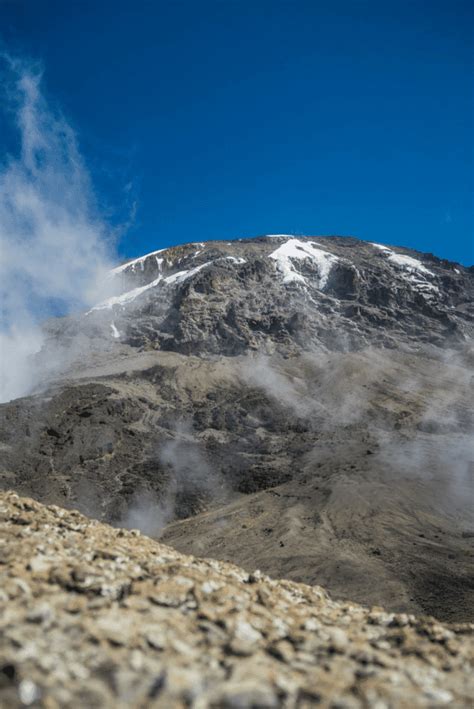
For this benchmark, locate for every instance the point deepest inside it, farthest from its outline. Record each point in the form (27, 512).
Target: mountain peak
(214, 297)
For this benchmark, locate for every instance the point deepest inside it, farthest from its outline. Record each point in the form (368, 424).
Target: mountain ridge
(370, 294)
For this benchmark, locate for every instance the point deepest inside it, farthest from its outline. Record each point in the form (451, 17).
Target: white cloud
(53, 245)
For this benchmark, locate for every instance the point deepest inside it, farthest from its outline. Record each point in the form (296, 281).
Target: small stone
(40, 613)
(248, 694)
(172, 592)
(283, 650)
(338, 640)
(28, 692)
(39, 564)
(156, 638)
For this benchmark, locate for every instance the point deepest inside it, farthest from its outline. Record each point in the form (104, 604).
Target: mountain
(102, 617)
(285, 294)
(302, 405)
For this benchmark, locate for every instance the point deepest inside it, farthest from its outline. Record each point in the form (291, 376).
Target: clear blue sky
(225, 119)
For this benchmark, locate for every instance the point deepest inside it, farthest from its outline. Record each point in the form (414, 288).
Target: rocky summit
(282, 293)
(301, 405)
(94, 616)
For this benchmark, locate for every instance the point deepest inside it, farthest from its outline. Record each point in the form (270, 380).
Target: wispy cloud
(54, 248)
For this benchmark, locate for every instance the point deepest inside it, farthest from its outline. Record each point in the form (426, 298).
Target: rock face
(284, 293)
(102, 617)
(301, 405)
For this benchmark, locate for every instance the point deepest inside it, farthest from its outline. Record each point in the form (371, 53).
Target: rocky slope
(283, 293)
(301, 405)
(102, 617)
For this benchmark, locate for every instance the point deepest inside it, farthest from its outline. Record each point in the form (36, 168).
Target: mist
(192, 484)
(55, 250)
(417, 408)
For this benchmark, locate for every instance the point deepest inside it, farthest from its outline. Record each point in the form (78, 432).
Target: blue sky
(225, 119)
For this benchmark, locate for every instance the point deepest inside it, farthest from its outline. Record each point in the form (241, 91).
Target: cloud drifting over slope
(53, 245)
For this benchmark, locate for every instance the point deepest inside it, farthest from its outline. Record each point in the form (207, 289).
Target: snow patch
(295, 249)
(135, 262)
(234, 259)
(127, 297)
(408, 262)
(130, 296)
(115, 332)
(412, 270)
(181, 276)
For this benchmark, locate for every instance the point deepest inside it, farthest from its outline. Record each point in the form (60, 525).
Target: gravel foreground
(94, 616)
